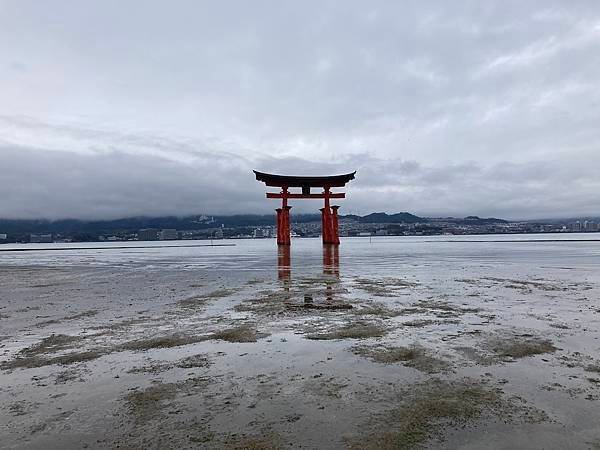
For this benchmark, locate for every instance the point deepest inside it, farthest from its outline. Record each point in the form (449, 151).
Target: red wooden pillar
(283, 225)
(279, 226)
(283, 219)
(335, 234)
(285, 238)
(326, 224)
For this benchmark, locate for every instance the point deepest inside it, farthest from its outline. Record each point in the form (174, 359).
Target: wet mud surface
(458, 351)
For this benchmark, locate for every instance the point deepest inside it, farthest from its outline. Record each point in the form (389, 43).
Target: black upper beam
(299, 181)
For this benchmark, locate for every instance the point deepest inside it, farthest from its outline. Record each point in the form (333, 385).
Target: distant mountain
(402, 217)
(133, 224)
(136, 223)
(483, 221)
(469, 220)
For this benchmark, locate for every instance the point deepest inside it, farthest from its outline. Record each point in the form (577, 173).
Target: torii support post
(335, 232)
(283, 225)
(279, 225)
(326, 225)
(327, 230)
(285, 235)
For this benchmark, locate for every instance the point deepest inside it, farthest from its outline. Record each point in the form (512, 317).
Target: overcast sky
(123, 108)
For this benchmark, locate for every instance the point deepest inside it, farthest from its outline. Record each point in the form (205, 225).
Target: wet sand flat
(397, 343)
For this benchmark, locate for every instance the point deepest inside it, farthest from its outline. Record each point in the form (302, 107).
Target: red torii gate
(329, 214)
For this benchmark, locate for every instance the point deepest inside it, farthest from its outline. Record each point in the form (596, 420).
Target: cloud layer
(444, 108)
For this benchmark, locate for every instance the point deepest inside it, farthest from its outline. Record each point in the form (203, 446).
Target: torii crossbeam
(329, 214)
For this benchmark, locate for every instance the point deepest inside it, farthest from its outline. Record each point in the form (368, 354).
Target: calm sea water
(375, 255)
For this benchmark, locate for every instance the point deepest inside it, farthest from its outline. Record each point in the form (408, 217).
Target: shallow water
(384, 253)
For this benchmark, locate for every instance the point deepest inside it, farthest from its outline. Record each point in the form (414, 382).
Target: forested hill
(203, 222)
(137, 223)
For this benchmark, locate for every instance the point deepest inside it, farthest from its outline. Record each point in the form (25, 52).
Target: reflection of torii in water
(284, 263)
(329, 215)
(331, 261)
(331, 266)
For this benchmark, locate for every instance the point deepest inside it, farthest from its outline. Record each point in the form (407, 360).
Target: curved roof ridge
(299, 181)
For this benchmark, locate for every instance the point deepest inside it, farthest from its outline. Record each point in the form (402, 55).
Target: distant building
(589, 225)
(206, 219)
(576, 226)
(258, 233)
(40, 238)
(148, 234)
(169, 234)
(3, 237)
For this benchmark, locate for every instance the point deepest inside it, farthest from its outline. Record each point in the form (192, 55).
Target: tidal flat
(390, 344)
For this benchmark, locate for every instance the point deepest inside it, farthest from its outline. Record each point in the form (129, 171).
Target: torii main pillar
(329, 214)
(283, 220)
(335, 232)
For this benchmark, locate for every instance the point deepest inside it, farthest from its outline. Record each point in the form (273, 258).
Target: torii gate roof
(301, 181)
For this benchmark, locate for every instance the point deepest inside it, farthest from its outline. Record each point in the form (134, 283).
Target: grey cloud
(58, 184)
(443, 107)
